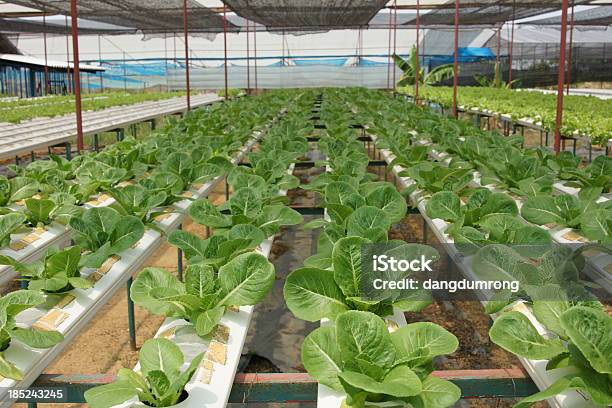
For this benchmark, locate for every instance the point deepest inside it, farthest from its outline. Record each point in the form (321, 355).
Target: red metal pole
(186, 31)
(248, 58)
(394, 38)
(46, 65)
(417, 73)
(511, 49)
(255, 52)
(225, 45)
(570, 52)
(389, 60)
(77, 74)
(561, 79)
(456, 61)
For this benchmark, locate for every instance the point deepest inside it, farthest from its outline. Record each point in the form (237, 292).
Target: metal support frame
(77, 73)
(186, 31)
(300, 387)
(561, 79)
(456, 60)
(389, 59)
(511, 48)
(179, 259)
(394, 39)
(131, 318)
(225, 48)
(68, 81)
(255, 52)
(248, 36)
(417, 72)
(100, 62)
(570, 51)
(45, 46)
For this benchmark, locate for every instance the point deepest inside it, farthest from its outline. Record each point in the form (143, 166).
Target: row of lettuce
(358, 351)
(489, 229)
(16, 111)
(583, 115)
(145, 177)
(224, 270)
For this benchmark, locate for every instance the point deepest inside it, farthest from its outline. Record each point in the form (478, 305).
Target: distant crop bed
(23, 109)
(586, 115)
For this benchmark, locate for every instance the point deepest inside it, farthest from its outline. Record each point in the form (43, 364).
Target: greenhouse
(331, 204)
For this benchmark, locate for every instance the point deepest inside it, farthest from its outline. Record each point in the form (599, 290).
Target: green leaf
(346, 261)
(106, 396)
(542, 210)
(423, 335)
(365, 218)
(35, 338)
(189, 243)
(444, 205)
(199, 280)
(245, 201)
(400, 382)
(65, 262)
(245, 280)
(589, 329)
(321, 357)
(312, 294)
(208, 320)
(205, 213)
(438, 393)
(388, 199)
(9, 370)
(40, 210)
(365, 335)
(513, 332)
(160, 354)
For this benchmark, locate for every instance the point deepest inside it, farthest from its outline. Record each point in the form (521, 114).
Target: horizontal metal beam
(300, 387)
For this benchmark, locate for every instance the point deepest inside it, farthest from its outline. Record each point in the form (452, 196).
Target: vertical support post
(46, 64)
(417, 72)
(561, 79)
(394, 38)
(511, 49)
(255, 52)
(124, 73)
(248, 35)
(570, 52)
(456, 60)
(283, 48)
(179, 259)
(498, 68)
(186, 31)
(131, 319)
(100, 62)
(389, 59)
(225, 47)
(77, 74)
(68, 81)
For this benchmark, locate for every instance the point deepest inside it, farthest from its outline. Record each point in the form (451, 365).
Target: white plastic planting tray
(77, 313)
(211, 385)
(535, 368)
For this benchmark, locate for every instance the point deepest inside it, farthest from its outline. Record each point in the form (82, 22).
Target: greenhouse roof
(307, 14)
(152, 16)
(597, 16)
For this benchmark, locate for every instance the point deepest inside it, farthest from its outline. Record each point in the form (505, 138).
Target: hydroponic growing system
(235, 167)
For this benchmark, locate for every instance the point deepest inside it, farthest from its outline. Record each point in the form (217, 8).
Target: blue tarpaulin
(338, 62)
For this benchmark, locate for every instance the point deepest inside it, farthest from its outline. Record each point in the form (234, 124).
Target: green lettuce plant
(358, 357)
(103, 232)
(57, 272)
(159, 381)
(11, 305)
(206, 292)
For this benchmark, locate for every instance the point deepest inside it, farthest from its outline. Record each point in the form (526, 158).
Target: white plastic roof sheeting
(25, 59)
